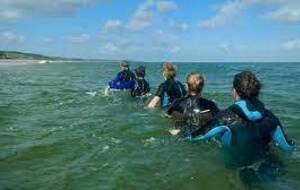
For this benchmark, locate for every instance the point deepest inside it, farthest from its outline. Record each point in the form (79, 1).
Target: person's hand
(174, 131)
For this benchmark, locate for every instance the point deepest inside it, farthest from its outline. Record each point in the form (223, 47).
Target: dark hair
(246, 84)
(195, 82)
(140, 71)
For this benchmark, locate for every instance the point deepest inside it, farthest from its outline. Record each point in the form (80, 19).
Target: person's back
(193, 111)
(141, 87)
(247, 126)
(125, 78)
(169, 90)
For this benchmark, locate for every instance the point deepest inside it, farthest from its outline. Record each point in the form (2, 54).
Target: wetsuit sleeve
(134, 89)
(114, 83)
(214, 108)
(184, 93)
(223, 118)
(173, 107)
(279, 137)
(126, 85)
(147, 87)
(160, 91)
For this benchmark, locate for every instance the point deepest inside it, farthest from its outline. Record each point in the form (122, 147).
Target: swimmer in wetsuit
(169, 90)
(141, 86)
(125, 78)
(192, 111)
(247, 126)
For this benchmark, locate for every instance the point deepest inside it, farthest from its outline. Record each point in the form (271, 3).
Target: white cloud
(288, 13)
(15, 10)
(111, 47)
(226, 13)
(179, 26)
(292, 44)
(166, 6)
(144, 16)
(174, 50)
(111, 25)
(285, 11)
(82, 38)
(224, 47)
(8, 36)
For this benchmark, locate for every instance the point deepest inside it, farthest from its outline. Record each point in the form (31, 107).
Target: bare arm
(155, 100)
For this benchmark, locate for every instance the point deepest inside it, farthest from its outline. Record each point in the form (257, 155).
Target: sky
(154, 30)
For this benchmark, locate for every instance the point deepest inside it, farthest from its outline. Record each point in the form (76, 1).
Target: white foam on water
(115, 140)
(105, 148)
(92, 93)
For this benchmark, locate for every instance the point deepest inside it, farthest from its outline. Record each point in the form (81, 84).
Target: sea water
(57, 130)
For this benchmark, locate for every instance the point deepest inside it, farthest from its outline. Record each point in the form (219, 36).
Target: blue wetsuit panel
(251, 115)
(223, 132)
(279, 139)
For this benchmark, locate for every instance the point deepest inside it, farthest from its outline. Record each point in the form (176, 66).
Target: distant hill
(28, 56)
(21, 55)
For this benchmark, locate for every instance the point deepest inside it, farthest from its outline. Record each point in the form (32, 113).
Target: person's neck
(194, 94)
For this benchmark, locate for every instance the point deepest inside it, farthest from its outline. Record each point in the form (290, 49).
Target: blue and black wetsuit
(248, 127)
(169, 91)
(123, 81)
(192, 112)
(141, 88)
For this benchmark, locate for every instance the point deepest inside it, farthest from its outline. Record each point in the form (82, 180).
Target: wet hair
(125, 64)
(195, 82)
(140, 71)
(246, 85)
(170, 70)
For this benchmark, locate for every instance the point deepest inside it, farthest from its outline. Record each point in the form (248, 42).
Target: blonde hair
(169, 70)
(195, 82)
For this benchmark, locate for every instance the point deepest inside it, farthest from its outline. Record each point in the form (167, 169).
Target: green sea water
(56, 133)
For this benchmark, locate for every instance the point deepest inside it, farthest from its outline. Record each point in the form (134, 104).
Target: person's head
(124, 65)
(169, 71)
(195, 82)
(246, 85)
(140, 71)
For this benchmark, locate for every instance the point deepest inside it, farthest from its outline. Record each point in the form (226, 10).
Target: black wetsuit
(141, 88)
(169, 91)
(191, 112)
(251, 127)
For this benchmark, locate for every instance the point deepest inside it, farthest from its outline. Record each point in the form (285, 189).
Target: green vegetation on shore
(21, 55)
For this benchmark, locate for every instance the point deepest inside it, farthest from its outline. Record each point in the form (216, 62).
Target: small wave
(105, 148)
(92, 93)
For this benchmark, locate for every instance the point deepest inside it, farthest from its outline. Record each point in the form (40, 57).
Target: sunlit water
(58, 132)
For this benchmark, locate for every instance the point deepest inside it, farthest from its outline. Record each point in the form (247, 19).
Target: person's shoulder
(207, 102)
(225, 117)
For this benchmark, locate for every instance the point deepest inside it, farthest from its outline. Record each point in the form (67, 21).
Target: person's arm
(214, 108)
(126, 85)
(155, 100)
(114, 82)
(280, 139)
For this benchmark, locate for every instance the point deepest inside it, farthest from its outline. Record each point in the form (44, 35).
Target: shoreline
(6, 62)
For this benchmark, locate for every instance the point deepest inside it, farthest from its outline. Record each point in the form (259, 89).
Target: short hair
(170, 70)
(246, 85)
(125, 63)
(140, 71)
(195, 82)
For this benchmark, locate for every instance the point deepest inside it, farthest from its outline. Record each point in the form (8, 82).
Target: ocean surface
(57, 131)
